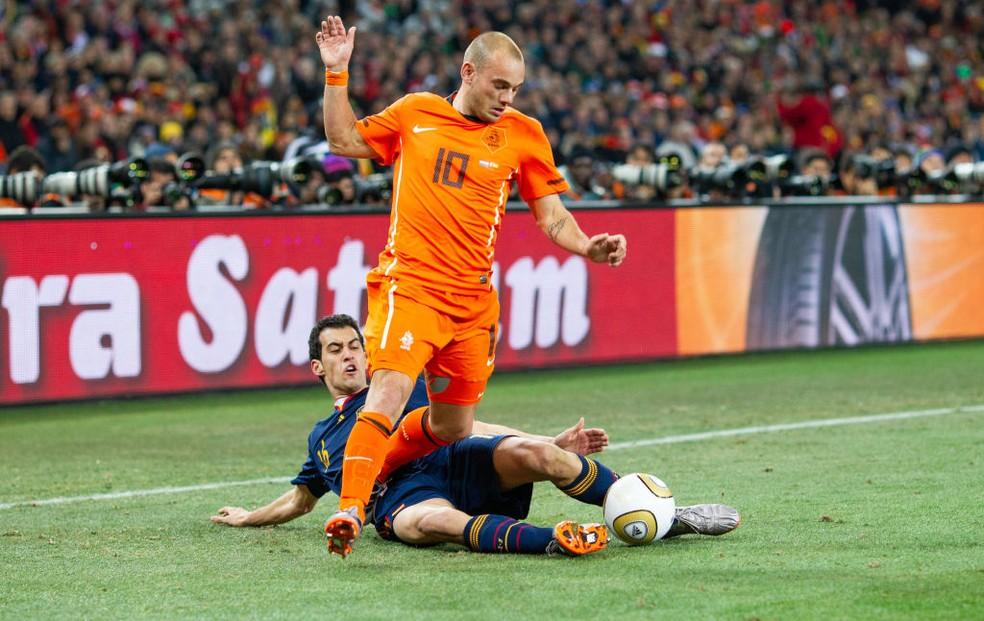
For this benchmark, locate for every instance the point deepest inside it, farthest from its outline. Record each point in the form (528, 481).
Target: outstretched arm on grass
(293, 504)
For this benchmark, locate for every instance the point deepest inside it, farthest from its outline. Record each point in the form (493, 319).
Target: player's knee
(388, 392)
(450, 428)
(439, 524)
(544, 459)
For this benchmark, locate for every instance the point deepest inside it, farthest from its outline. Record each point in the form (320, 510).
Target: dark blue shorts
(463, 474)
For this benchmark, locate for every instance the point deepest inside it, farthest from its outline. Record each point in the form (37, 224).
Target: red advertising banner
(108, 307)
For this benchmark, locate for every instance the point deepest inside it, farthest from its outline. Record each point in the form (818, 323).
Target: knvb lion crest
(494, 138)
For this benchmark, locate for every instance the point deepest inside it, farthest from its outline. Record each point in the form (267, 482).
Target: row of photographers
(166, 181)
(719, 174)
(723, 174)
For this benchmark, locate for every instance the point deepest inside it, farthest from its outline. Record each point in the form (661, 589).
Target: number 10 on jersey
(445, 162)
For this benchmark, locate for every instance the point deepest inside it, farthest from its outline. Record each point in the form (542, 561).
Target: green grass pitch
(871, 521)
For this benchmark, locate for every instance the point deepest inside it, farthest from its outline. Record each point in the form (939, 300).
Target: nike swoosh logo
(417, 129)
(489, 363)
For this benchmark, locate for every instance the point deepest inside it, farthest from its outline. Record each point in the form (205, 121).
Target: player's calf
(501, 534)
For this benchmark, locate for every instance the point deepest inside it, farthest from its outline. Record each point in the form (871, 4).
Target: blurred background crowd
(836, 86)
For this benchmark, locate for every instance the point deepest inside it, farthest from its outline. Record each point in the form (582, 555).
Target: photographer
(709, 177)
(340, 188)
(580, 175)
(224, 159)
(23, 159)
(858, 175)
(640, 155)
(815, 163)
(814, 178)
(162, 175)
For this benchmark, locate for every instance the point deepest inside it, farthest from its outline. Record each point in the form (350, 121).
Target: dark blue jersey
(322, 472)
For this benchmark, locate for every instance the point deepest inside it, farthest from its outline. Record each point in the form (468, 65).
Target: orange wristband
(336, 78)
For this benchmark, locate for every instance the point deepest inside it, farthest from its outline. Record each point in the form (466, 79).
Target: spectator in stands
(192, 74)
(739, 153)
(806, 111)
(59, 150)
(11, 134)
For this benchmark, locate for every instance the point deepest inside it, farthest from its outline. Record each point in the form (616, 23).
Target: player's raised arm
(559, 225)
(335, 45)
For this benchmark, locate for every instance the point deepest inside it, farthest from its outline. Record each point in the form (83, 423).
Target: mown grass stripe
(618, 446)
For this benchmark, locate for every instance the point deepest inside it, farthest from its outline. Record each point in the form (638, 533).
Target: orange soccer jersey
(451, 181)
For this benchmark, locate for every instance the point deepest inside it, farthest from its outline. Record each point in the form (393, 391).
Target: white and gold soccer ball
(639, 509)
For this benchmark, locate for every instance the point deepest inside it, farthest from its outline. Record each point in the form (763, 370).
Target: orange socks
(364, 453)
(412, 439)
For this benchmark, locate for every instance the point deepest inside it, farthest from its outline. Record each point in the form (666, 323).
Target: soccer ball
(639, 509)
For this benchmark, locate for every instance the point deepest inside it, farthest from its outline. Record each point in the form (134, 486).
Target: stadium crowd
(88, 82)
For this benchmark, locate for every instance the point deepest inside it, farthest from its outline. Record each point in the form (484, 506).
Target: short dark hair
(23, 159)
(161, 165)
(213, 153)
(580, 152)
(331, 321)
(810, 154)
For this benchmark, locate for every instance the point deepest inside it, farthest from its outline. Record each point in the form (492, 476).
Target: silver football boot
(710, 520)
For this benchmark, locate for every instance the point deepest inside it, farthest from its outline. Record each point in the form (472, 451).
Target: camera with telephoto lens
(867, 167)
(105, 180)
(329, 195)
(23, 187)
(747, 179)
(374, 188)
(963, 178)
(260, 177)
(100, 180)
(918, 181)
(805, 185)
(754, 178)
(189, 168)
(779, 168)
(377, 187)
(664, 175)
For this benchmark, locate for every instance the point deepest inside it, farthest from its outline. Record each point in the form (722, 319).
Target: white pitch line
(807, 424)
(141, 492)
(618, 446)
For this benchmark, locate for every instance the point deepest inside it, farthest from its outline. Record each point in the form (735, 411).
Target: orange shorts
(411, 329)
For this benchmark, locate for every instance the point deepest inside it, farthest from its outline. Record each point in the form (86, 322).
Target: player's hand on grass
(335, 44)
(582, 441)
(231, 516)
(605, 248)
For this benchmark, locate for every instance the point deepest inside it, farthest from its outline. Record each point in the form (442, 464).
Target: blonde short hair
(485, 45)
